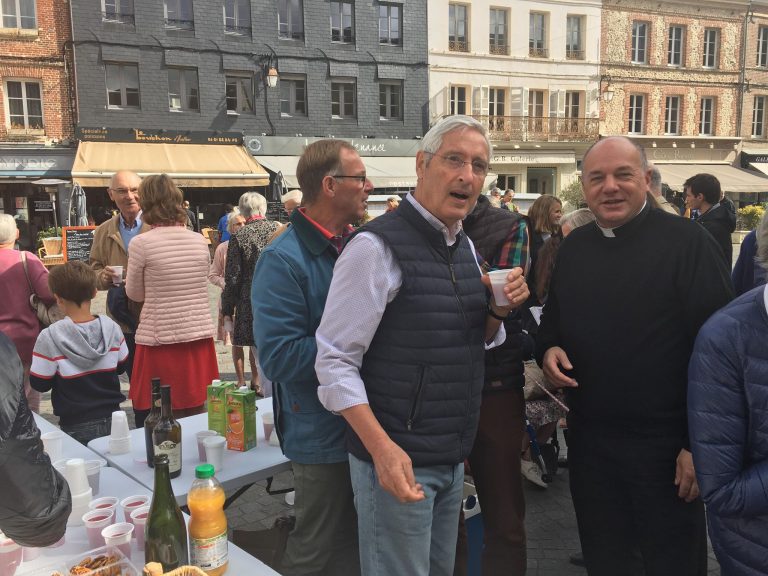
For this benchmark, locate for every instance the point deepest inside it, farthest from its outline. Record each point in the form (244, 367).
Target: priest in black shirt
(627, 297)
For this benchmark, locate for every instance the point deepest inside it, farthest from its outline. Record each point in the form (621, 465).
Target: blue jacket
(290, 286)
(728, 424)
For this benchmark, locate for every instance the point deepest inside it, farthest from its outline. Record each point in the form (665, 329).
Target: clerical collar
(611, 232)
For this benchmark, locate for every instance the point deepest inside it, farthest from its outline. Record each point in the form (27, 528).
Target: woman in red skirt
(168, 272)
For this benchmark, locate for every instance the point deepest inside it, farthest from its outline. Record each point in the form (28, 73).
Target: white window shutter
(524, 102)
(480, 101)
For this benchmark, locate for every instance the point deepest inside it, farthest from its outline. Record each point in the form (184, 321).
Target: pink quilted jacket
(168, 271)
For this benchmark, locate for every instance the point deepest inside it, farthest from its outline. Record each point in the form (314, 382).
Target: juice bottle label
(209, 553)
(173, 450)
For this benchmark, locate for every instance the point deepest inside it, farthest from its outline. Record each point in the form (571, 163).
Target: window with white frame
(537, 35)
(762, 46)
(497, 108)
(390, 23)
(290, 19)
(24, 105)
(573, 103)
(711, 47)
(343, 99)
(293, 95)
(458, 26)
(574, 43)
(672, 115)
(237, 17)
(122, 86)
(179, 14)
(675, 46)
(499, 35)
(183, 90)
(458, 97)
(239, 93)
(19, 14)
(119, 11)
(636, 114)
(706, 117)
(536, 110)
(391, 100)
(758, 117)
(639, 42)
(342, 22)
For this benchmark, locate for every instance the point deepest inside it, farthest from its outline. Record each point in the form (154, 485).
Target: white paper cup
(139, 518)
(119, 429)
(93, 470)
(202, 435)
(95, 521)
(498, 281)
(131, 503)
(77, 478)
(53, 443)
(117, 275)
(214, 451)
(119, 535)
(268, 420)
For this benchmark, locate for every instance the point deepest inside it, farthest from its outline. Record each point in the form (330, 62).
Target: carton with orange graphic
(241, 419)
(217, 407)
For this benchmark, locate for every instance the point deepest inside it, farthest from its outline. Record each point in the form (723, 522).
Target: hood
(721, 214)
(84, 349)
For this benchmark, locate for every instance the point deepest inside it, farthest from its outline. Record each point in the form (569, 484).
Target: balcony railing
(572, 54)
(458, 45)
(241, 30)
(498, 49)
(540, 128)
(118, 18)
(291, 34)
(538, 52)
(177, 24)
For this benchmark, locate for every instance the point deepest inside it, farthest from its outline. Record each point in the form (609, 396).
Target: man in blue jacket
(288, 294)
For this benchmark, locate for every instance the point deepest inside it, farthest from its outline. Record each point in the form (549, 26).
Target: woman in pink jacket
(168, 271)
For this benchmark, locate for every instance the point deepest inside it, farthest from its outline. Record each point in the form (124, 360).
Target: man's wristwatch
(494, 315)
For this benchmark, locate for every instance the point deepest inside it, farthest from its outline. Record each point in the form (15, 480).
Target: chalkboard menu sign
(276, 212)
(77, 242)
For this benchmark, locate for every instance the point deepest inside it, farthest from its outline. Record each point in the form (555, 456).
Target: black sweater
(627, 310)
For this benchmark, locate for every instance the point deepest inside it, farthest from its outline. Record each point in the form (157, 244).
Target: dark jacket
(727, 399)
(720, 222)
(34, 501)
(423, 370)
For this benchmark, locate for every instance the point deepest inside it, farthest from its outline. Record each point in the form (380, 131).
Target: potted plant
(50, 239)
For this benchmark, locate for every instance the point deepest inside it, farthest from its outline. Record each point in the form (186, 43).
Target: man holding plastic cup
(401, 356)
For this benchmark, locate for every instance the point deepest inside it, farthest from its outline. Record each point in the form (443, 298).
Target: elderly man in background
(655, 188)
(111, 240)
(392, 203)
(292, 200)
(401, 356)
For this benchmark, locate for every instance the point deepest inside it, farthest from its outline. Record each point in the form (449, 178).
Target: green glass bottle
(166, 436)
(166, 534)
(151, 421)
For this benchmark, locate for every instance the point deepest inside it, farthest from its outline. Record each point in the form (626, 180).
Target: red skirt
(188, 367)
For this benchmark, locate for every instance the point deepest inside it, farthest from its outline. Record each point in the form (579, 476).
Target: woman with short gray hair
(244, 249)
(17, 319)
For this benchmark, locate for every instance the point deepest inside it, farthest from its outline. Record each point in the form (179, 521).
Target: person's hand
(685, 477)
(395, 471)
(516, 290)
(555, 358)
(106, 275)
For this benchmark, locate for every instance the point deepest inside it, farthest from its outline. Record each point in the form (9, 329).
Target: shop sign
(43, 206)
(294, 146)
(156, 136)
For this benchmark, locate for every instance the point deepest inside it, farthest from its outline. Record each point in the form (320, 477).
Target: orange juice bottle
(208, 524)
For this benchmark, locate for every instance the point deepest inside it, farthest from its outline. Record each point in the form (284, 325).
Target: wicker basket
(156, 569)
(52, 245)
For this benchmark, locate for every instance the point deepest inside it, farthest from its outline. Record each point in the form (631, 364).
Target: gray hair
(433, 139)
(295, 195)
(762, 242)
(655, 180)
(252, 204)
(577, 218)
(231, 218)
(7, 228)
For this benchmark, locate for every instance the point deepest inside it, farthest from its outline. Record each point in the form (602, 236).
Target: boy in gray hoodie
(79, 357)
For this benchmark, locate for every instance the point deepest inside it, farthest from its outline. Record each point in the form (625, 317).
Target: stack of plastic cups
(10, 555)
(119, 439)
(53, 444)
(139, 520)
(79, 488)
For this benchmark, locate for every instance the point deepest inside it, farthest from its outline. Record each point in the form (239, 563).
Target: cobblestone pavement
(550, 520)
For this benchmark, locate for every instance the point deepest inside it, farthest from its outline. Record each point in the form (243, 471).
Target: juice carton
(217, 409)
(241, 419)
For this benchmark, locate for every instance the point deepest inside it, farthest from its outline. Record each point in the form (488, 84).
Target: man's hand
(395, 472)
(516, 290)
(554, 359)
(106, 276)
(685, 477)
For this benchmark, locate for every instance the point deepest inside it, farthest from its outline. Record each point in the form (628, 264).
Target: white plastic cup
(117, 275)
(10, 556)
(106, 504)
(214, 451)
(30, 554)
(139, 518)
(268, 420)
(61, 466)
(93, 470)
(119, 535)
(274, 441)
(53, 444)
(95, 521)
(498, 281)
(202, 435)
(131, 503)
(76, 476)
(119, 429)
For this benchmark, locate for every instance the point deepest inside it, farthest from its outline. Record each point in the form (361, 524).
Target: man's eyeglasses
(479, 168)
(362, 179)
(124, 191)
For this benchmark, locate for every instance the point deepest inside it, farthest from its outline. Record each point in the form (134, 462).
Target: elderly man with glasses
(401, 356)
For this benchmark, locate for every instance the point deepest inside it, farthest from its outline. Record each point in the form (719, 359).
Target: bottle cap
(204, 471)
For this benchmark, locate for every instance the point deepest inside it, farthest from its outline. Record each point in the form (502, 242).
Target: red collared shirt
(337, 241)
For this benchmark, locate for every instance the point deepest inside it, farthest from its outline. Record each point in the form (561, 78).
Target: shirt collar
(337, 241)
(609, 232)
(450, 233)
(136, 222)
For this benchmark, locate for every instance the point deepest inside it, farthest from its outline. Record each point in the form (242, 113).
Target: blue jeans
(84, 432)
(417, 538)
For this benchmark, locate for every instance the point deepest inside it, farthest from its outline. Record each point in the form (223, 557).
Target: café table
(115, 483)
(70, 448)
(240, 469)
